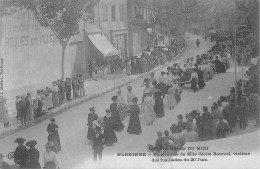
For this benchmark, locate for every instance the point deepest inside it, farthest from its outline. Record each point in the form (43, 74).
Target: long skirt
(55, 99)
(39, 109)
(55, 138)
(211, 73)
(44, 105)
(119, 126)
(134, 126)
(201, 83)
(128, 70)
(149, 114)
(158, 108)
(91, 133)
(205, 75)
(49, 102)
(50, 165)
(172, 100)
(110, 136)
(194, 84)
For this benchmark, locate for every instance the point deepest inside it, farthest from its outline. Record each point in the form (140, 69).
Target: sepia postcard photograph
(129, 84)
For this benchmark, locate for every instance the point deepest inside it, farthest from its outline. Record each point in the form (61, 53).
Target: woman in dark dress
(194, 80)
(201, 82)
(32, 156)
(54, 137)
(109, 133)
(119, 126)
(217, 65)
(134, 126)
(20, 153)
(158, 98)
(91, 117)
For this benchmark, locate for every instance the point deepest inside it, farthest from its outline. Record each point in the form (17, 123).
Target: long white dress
(171, 96)
(148, 108)
(50, 160)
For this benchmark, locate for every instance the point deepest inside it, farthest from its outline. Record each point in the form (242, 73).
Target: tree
(61, 16)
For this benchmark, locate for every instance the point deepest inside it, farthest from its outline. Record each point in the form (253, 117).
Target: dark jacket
(20, 156)
(98, 141)
(32, 161)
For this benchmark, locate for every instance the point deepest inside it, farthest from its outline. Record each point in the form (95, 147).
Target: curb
(15, 129)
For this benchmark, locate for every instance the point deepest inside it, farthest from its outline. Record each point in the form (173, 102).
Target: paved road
(76, 149)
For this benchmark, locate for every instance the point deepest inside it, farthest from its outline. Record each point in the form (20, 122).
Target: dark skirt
(134, 126)
(110, 136)
(201, 83)
(91, 133)
(55, 138)
(119, 126)
(194, 84)
(158, 108)
(39, 109)
(50, 165)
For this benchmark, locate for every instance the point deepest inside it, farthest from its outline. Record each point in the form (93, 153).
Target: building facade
(139, 38)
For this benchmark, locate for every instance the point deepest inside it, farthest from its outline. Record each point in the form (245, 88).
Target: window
(113, 13)
(105, 12)
(121, 12)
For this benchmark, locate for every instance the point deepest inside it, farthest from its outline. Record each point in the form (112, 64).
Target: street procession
(129, 84)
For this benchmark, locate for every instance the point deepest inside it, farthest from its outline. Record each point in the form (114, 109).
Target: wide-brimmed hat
(19, 140)
(114, 98)
(129, 87)
(31, 143)
(92, 109)
(108, 110)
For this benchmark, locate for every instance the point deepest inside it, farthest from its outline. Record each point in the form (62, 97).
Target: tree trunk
(62, 61)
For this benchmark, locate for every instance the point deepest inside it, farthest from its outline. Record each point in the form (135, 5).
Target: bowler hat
(31, 143)
(20, 140)
(52, 119)
(1, 155)
(108, 110)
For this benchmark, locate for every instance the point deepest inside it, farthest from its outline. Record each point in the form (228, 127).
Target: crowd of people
(29, 108)
(28, 158)
(224, 115)
(148, 60)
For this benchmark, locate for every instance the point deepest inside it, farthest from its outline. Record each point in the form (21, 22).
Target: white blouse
(51, 157)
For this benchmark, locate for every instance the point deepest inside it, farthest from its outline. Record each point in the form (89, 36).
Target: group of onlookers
(29, 109)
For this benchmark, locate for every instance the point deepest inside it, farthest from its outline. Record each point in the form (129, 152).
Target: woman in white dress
(148, 106)
(121, 105)
(171, 96)
(49, 98)
(50, 159)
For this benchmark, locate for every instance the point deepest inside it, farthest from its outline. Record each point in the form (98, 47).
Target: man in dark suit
(68, 89)
(29, 107)
(98, 143)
